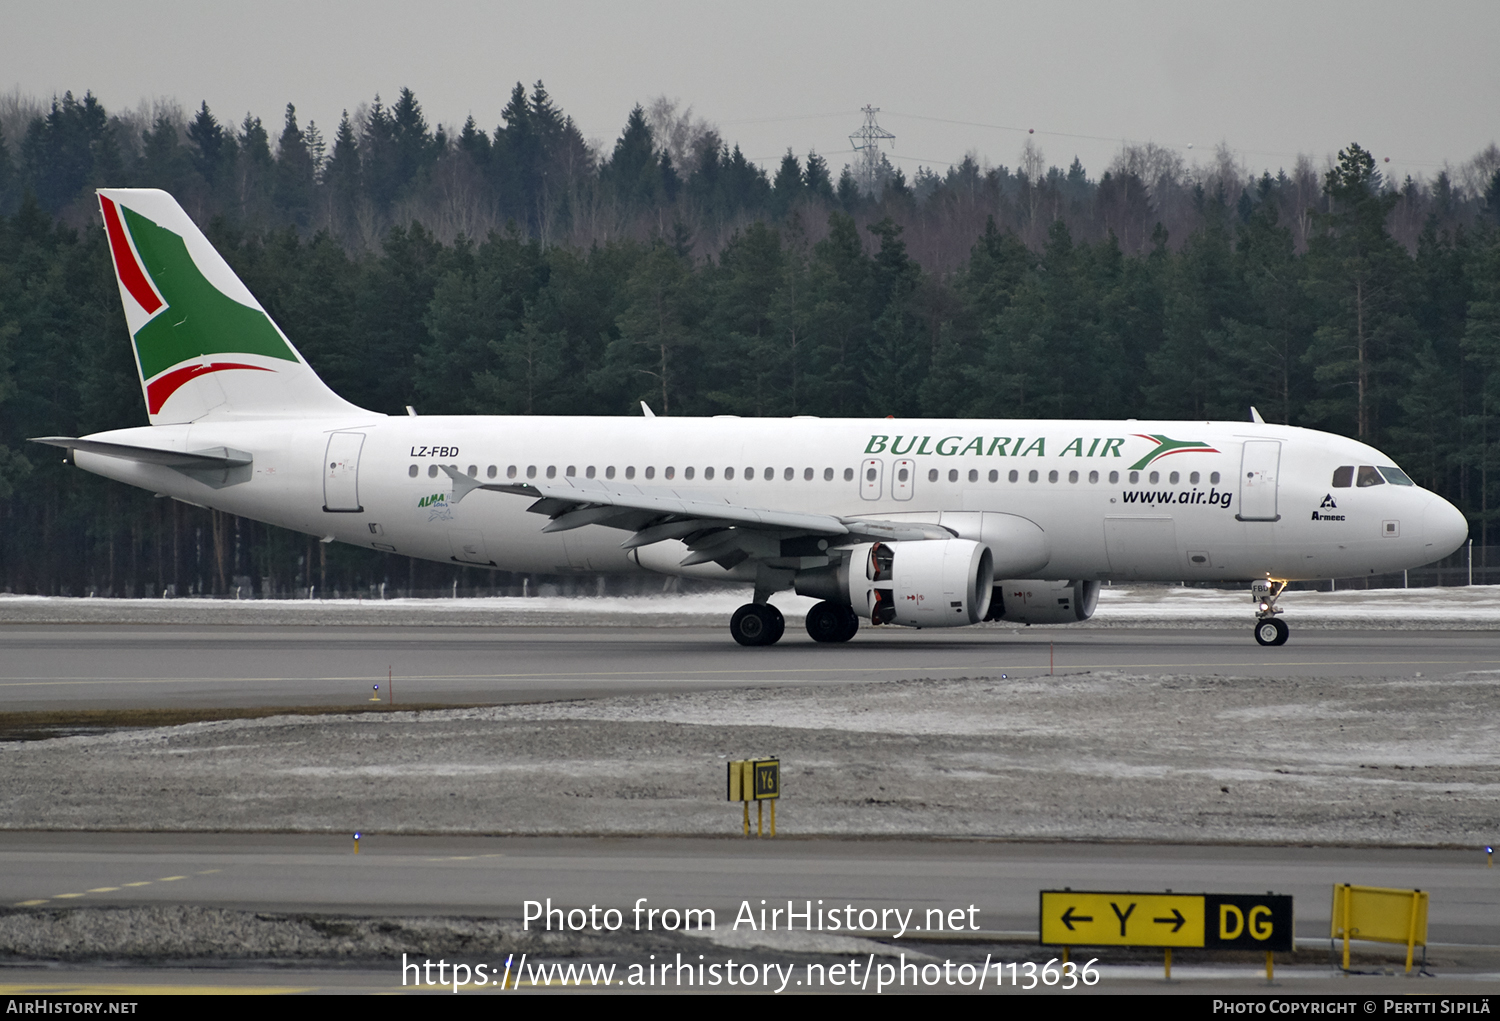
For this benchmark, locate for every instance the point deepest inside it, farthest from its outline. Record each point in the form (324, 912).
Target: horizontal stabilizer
(210, 459)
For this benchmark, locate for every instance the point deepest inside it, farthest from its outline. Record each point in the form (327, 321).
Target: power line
(1101, 138)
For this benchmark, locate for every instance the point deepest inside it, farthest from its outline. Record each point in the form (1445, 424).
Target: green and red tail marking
(189, 319)
(1166, 445)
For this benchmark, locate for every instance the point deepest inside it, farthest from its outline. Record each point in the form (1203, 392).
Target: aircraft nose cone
(1444, 528)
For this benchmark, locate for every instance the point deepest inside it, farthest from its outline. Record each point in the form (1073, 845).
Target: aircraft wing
(713, 528)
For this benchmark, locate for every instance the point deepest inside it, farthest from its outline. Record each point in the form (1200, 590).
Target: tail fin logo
(189, 320)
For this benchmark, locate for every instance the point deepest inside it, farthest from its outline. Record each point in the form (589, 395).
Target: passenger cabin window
(1155, 477)
(903, 475)
(1135, 478)
(473, 471)
(1014, 476)
(531, 471)
(510, 472)
(789, 474)
(932, 474)
(650, 473)
(994, 475)
(1395, 476)
(1193, 478)
(870, 475)
(848, 474)
(572, 471)
(669, 472)
(1072, 476)
(551, 471)
(1214, 478)
(687, 473)
(491, 471)
(1032, 476)
(412, 471)
(432, 471)
(973, 474)
(1093, 477)
(827, 474)
(770, 473)
(1343, 476)
(609, 472)
(708, 473)
(728, 474)
(1114, 477)
(1368, 476)
(630, 471)
(588, 472)
(1173, 478)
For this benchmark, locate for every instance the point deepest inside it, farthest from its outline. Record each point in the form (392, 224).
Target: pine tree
(633, 173)
(295, 174)
(379, 169)
(164, 162)
(342, 177)
(819, 182)
(7, 177)
(788, 185)
(415, 147)
(213, 147)
(1356, 276)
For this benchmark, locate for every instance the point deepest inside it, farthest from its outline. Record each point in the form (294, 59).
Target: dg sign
(1243, 922)
(1215, 921)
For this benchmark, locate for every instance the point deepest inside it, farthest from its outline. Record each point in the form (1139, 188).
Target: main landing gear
(763, 624)
(757, 624)
(1269, 628)
(832, 622)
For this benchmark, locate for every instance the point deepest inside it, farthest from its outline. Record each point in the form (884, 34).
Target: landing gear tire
(757, 624)
(1271, 631)
(830, 622)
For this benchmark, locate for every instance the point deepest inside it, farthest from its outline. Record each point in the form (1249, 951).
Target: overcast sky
(1416, 82)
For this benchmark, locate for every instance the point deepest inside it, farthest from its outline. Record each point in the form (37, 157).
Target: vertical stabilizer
(204, 347)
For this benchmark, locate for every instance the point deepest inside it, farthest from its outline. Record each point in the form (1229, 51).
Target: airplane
(919, 522)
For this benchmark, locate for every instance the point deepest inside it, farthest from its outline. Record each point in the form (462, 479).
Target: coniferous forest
(522, 270)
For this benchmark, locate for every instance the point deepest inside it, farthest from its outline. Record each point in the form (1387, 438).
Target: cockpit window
(1395, 476)
(1368, 476)
(1343, 476)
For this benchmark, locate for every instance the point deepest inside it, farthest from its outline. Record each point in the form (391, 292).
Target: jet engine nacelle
(927, 583)
(1029, 601)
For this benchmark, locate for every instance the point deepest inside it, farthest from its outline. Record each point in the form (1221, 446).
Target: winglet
(1255, 416)
(646, 409)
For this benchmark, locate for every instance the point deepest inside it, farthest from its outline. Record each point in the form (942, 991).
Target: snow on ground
(1466, 607)
(1086, 756)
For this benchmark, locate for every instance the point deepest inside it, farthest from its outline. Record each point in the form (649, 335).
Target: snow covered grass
(1146, 605)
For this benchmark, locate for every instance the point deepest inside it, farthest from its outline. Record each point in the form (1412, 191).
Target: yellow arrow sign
(1090, 918)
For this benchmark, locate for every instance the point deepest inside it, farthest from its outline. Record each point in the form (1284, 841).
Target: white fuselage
(1221, 511)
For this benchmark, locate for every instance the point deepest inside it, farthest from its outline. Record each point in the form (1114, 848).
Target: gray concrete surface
(61, 667)
(206, 900)
(490, 877)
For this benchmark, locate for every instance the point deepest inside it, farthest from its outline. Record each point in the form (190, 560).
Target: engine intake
(933, 583)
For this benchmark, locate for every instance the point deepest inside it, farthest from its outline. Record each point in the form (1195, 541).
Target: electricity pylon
(866, 143)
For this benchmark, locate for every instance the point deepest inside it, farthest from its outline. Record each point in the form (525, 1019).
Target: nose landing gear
(1269, 628)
